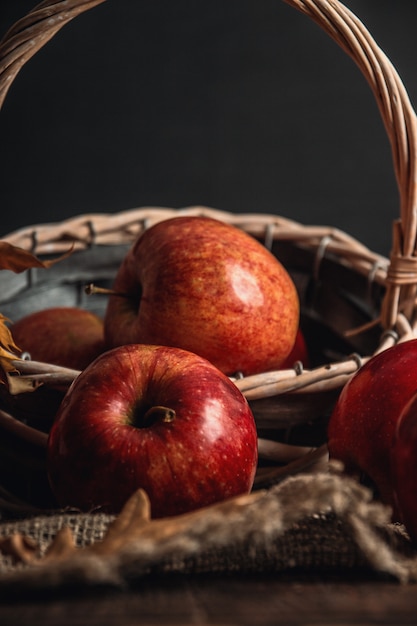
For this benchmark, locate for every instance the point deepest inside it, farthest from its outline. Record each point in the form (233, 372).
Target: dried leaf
(9, 354)
(9, 351)
(62, 547)
(133, 524)
(20, 384)
(7, 343)
(18, 260)
(129, 524)
(20, 548)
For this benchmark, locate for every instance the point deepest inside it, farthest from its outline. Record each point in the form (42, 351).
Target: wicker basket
(342, 284)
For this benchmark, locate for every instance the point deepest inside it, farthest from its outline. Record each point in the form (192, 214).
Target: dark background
(242, 105)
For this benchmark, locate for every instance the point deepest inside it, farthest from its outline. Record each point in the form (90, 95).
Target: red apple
(205, 286)
(362, 426)
(403, 463)
(151, 417)
(67, 336)
(299, 352)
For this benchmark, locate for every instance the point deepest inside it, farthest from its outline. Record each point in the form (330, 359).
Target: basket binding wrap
(342, 285)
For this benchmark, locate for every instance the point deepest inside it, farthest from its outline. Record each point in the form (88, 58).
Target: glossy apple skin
(67, 336)
(362, 426)
(403, 461)
(208, 287)
(101, 448)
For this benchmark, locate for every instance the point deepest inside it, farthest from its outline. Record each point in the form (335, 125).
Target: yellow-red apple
(67, 336)
(206, 286)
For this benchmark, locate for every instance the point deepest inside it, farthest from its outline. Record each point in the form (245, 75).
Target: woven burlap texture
(320, 522)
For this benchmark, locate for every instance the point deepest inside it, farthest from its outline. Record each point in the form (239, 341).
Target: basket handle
(30, 33)
(401, 126)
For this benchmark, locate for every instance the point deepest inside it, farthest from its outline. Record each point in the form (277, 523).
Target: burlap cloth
(311, 523)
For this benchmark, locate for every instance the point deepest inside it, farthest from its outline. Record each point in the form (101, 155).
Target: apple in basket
(403, 460)
(362, 427)
(152, 417)
(67, 336)
(205, 286)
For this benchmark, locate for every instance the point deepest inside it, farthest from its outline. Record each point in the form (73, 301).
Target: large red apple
(208, 287)
(157, 418)
(403, 463)
(363, 423)
(67, 336)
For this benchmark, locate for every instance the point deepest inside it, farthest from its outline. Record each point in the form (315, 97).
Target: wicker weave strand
(31, 33)
(400, 123)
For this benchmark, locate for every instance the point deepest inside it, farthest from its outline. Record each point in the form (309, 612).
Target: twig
(266, 477)
(22, 431)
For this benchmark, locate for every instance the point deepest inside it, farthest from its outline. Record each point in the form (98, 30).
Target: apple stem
(92, 289)
(161, 413)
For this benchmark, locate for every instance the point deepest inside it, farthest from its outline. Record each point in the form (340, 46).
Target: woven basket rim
(85, 230)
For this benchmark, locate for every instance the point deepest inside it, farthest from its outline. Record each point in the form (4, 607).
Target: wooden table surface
(226, 600)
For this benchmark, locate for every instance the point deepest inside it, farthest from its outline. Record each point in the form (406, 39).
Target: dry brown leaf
(6, 338)
(19, 384)
(133, 524)
(18, 260)
(62, 547)
(9, 354)
(21, 549)
(9, 351)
